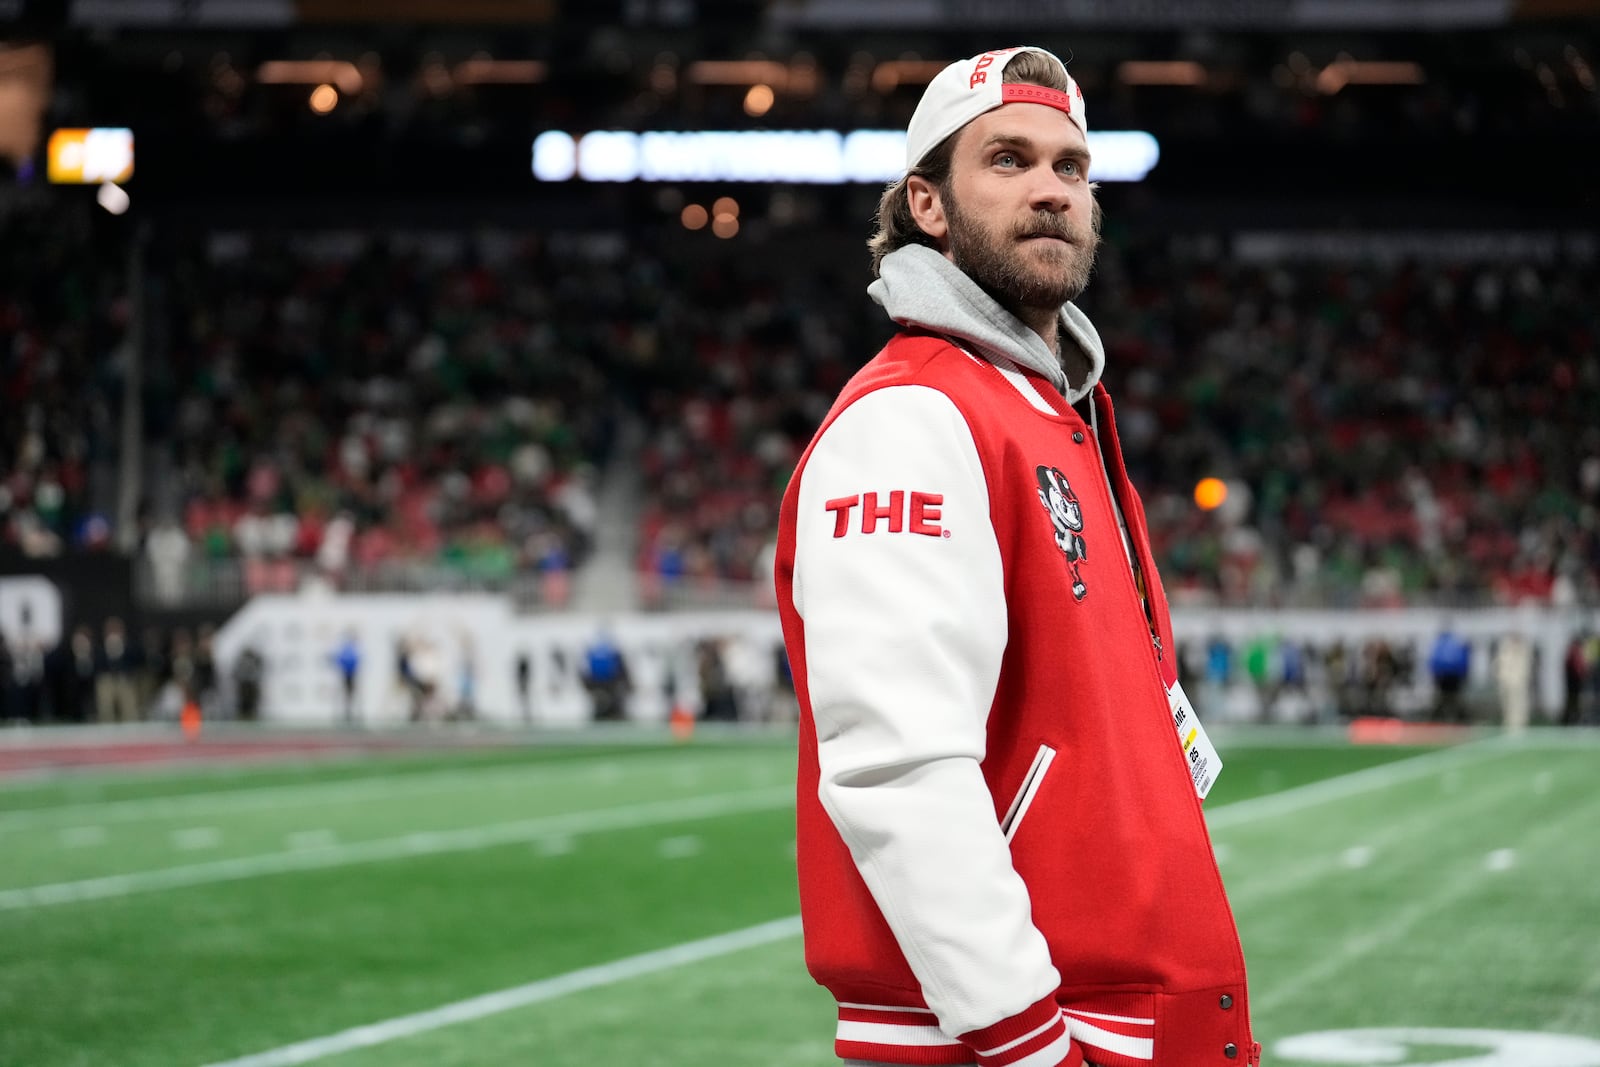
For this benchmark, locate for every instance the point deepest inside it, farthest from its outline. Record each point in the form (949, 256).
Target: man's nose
(1046, 190)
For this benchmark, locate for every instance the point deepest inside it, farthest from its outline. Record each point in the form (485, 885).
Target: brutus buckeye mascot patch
(1067, 517)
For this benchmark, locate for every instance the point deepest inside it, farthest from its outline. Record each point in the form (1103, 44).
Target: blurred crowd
(333, 405)
(63, 316)
(366, 405)
(1389, 434)
(762, 351)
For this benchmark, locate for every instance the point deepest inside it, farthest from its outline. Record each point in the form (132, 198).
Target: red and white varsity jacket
(1002, 857)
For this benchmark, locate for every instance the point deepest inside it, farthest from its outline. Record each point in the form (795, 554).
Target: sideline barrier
(471, 645)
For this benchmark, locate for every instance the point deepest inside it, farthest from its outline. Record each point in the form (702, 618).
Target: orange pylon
(189, 719)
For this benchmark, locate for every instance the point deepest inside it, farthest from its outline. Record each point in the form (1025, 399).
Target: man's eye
(1005, 159)
(1068, 166)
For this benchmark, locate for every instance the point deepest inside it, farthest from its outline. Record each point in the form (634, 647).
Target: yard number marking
(1392, 1046)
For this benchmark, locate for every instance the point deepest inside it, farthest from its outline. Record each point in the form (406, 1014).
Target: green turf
(1365, 904)
(54, 788)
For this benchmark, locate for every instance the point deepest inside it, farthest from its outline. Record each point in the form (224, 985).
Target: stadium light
(114, 198)
(90, 156)
(1151, 72)
(758, 101)
(484, 70)
(891, 74)
(555, 156)
(344, 75)
(324, 98)
(1342, 72)
(825, 157)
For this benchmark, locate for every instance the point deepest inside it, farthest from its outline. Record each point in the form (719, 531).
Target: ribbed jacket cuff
(1034, 1037)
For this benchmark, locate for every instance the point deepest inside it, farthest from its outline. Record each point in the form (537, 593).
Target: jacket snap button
(1230, 1050)
(1077, 437)
(1227, 1002)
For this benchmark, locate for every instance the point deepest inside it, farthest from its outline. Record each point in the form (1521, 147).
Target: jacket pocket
(1028, 790)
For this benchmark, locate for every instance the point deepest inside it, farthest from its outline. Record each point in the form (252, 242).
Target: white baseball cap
(967, 88)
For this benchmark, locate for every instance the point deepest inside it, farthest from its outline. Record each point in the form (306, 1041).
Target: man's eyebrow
(1017, 140)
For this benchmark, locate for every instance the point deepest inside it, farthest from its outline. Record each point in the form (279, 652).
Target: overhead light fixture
(1342, 72)
(893, 73)
(90, 156)
(1155, 72)
(482, 70)
(828, 157)
(342, 75)
(739, 72)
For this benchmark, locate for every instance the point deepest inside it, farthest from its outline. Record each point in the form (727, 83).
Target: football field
(599, 904)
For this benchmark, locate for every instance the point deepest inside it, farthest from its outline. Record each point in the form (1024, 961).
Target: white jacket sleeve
(905, 627)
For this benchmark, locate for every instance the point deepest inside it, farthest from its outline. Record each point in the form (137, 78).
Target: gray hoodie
(918, 287)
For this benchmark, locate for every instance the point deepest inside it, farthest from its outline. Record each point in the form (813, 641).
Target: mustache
(1047, 224)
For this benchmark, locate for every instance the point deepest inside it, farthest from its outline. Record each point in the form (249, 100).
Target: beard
(1019, 277)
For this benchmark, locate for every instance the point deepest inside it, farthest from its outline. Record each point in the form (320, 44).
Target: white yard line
(425, 843)
(1254, 882)
(1353, 784)
(1371, 939)
(520, 996)
(318, 794)
(1454, 886)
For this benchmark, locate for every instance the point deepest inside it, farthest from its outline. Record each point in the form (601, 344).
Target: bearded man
(1001, 850)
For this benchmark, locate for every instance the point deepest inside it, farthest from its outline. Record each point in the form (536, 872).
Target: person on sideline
(1001, 851)
(1513, 675)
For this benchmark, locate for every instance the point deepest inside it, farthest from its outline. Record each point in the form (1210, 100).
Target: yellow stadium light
(694, 217)
(90, 156)
(324, 98)
(758, 101)
(1209, 493)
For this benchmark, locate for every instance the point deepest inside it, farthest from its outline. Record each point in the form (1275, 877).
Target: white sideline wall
(297, 635)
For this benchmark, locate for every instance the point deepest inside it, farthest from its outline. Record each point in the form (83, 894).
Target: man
(605, 676)
(116, 682)
(1513, 675)
(1450, 663)
(1001, 849)
(347, 661)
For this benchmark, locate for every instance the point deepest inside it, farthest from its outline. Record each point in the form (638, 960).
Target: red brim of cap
(1024, 93)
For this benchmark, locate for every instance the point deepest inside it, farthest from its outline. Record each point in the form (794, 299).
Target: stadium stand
(350, 406)
(391, 394)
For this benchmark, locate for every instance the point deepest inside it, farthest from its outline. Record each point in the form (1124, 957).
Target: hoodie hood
(918, 287)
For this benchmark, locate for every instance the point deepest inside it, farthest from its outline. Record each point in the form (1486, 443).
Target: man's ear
(927, 207)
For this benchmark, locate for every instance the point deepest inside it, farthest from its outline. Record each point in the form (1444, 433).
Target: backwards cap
(967, 88)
